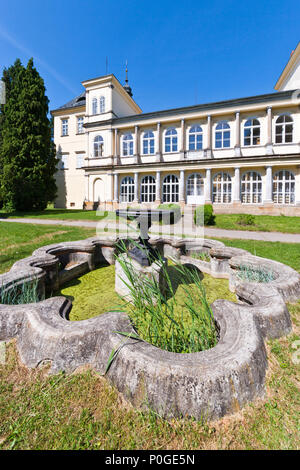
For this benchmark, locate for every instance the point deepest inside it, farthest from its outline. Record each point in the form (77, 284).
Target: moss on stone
(94, 293)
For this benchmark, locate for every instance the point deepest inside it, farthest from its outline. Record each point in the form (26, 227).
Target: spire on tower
(126, 86)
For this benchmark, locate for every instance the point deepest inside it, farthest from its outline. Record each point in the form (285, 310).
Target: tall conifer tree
(27, 151)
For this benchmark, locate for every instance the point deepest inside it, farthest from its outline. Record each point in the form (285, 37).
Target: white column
(157, 188)
(237, 148)
(207, 186)
(268, 185)
(237, 186)
(181, 187)
(136, 187)
(116, 187)
(269, 146)
(297, 187)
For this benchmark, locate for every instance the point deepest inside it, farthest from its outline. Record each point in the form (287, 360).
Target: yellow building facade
(241, 155)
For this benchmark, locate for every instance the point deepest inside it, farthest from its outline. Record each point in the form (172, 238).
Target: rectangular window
(80, 125)
(64, 127)
(64, 162)
(79, 160)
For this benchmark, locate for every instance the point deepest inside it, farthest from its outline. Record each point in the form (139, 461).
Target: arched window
(148, 143)
(102, 104)
(195, 138)
(251, 188)
(252, 132)
(127, 145)
(284, 129)
(222, 188)
(171, 189)
(171, 140)
(127, 189)
(95, 106)
(195, 185)
(222, 135)
(148, 189)
(284, 187)
(98, 146)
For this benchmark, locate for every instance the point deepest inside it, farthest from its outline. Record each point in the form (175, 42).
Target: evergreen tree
(28, 157)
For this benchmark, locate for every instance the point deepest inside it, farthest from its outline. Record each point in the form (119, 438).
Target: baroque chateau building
(241, 155)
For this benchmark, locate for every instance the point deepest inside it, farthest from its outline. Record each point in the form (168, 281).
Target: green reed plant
(157, 316)
(252, 274)
(25, 293)
(202, 255)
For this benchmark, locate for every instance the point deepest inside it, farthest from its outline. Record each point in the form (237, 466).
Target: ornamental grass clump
(157, 316)
(252, 274)
(16, 294)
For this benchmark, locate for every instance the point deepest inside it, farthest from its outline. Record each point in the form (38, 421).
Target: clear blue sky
(179, 52)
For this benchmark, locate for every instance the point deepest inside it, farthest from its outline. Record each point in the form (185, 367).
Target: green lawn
(61, 214)
(264, 223)
(18, 241)
(82, 411)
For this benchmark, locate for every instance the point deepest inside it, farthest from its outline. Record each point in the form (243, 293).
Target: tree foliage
(27, 152)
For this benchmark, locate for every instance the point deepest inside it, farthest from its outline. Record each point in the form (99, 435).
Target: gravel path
(176, 230)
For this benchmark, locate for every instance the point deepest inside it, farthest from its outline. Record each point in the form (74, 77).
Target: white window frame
(127, 145)
(170, 189)
(80, 122)
(102, 104)
(148, 189)
(284, 134)
(98, 146)
(251, 127)
(127, 189)
(94, 106)
(195, 185)
(196, 132)
(222, 188)
(79, 160)
(284, 187)
(64, 162)
(64, 127)
(251, 189)
(148, 143)
(171, 140)
(222, 127)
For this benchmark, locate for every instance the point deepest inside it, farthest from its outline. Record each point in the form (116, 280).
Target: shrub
(204, 215)
(246, 219)
(175, 215)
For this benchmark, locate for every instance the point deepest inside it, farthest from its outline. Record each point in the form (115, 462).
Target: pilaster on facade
(269, 144)
(237, 147)
(116, 188)
(208, 149)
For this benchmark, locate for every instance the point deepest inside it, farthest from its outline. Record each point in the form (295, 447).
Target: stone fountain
(143, 252)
